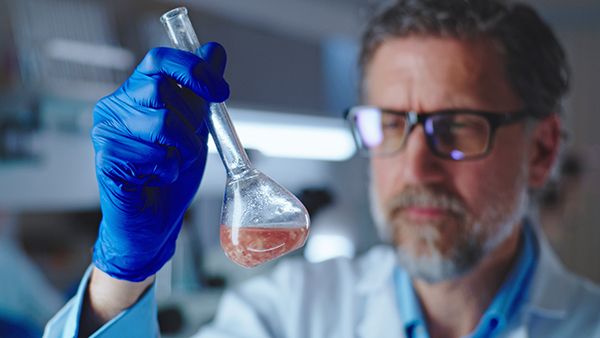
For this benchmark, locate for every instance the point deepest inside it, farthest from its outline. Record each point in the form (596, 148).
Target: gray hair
(535, 61)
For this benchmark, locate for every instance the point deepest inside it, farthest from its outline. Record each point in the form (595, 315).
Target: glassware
(260, 220)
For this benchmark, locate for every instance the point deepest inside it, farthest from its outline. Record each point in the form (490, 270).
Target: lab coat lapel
(380, 317)
(551, 289)
(552, 285)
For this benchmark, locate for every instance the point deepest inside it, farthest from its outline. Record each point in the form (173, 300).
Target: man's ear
(544, 145)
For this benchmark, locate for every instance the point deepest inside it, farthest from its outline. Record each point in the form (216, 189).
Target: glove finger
(188, 105)
(158, 91)
(188, 70)
(215, 54)
(166, 127)
(191, 109)
(132, 162)
(163, 126)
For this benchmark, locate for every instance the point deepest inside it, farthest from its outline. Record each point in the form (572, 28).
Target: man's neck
(453, 308)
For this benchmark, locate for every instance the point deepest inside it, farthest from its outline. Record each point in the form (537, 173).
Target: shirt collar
(504, 306)
(408, 303)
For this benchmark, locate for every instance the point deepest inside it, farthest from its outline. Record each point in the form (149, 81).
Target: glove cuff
(126, 264)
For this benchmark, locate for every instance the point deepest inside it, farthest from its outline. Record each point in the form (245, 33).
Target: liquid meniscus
(249, 246)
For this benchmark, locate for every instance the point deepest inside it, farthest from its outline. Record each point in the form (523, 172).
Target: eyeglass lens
(458, 135)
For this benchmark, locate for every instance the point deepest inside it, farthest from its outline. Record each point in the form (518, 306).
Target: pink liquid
(250, 247)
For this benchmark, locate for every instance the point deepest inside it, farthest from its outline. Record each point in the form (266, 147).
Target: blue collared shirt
(504, 306)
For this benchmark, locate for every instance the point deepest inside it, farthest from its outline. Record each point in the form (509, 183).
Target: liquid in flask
(250, 247)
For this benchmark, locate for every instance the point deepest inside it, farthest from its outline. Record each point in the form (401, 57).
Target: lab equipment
(260, 220)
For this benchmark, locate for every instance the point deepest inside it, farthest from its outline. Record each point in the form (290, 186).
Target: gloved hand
(151, 144)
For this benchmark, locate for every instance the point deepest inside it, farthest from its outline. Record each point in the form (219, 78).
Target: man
(460, 122)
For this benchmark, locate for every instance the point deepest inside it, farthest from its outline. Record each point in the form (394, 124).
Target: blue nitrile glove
(151, 145)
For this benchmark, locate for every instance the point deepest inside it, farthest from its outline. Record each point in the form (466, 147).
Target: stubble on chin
(452, 245)
(438, 230)
(438, 248)
(433, 250)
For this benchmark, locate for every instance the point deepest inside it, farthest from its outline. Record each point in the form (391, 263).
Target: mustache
(426, 197)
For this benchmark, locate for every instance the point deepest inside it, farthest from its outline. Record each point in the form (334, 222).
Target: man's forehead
(433, 54)
(445, 68)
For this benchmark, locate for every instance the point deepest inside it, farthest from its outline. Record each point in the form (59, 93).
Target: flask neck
(228, 144)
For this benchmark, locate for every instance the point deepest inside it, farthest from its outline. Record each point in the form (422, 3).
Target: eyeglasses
(459, 134)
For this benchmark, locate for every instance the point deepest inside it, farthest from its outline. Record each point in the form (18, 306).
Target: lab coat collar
(376, 271)
(553, 286)
(375, 286)
(551, 289)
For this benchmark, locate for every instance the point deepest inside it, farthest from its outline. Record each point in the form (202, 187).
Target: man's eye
(390, 125)
(466, 128)
(457, 126)
(393, 124)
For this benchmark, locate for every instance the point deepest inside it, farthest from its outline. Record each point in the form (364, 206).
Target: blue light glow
(457, 155)
(369, 126)
(429, 127)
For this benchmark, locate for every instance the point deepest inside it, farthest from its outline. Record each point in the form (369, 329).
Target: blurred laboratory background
(291, 68)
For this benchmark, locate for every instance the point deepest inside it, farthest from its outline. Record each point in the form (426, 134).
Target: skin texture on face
(444, 215)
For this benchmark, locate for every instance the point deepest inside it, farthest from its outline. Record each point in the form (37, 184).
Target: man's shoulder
(552, 275)
(576, 311)
(585, 298)
(570, 303)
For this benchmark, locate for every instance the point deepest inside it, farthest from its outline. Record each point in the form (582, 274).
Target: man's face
(446, 215)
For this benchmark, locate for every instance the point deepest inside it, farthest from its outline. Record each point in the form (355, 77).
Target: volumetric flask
(260, 220)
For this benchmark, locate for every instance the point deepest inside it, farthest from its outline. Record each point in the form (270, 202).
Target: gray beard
(495, 225)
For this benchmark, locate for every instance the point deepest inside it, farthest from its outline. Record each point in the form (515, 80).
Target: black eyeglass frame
(495, 120)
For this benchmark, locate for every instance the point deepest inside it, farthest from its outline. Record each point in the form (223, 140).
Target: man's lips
(425, 212)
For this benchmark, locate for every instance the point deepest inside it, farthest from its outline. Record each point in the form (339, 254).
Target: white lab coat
(344, 298)
(354, 298)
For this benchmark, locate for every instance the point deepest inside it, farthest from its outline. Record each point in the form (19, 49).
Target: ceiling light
(292, 135)
(100, 55)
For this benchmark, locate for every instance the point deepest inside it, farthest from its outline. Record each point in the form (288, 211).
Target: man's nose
(419, 164)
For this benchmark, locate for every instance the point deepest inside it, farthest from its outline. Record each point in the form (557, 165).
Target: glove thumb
(214, 54)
